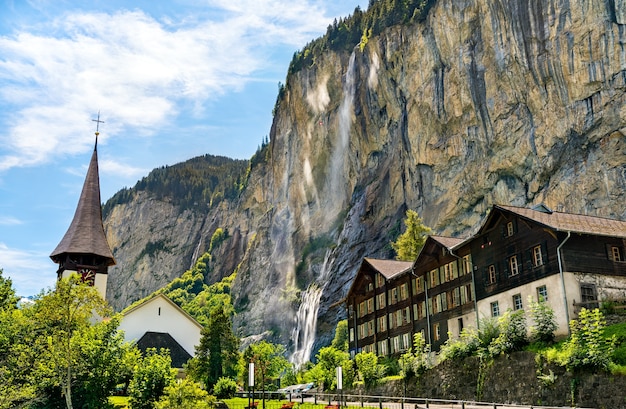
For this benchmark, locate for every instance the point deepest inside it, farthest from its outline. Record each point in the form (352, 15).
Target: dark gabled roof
(86, 232)
(568, 222)
(389, 268)
(160, 340)
(447, 242)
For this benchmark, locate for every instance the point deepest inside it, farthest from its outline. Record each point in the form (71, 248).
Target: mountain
(445, 107)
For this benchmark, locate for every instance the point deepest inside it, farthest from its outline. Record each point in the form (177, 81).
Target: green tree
(185, 394)
(269, 361)
(368, 368)
(152, 374)
(409, 243)
(217, 355)
(8, 299)
(66, 314)
(340, 341)
(325, 370)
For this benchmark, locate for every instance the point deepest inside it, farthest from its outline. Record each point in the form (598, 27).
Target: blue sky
(171, 79)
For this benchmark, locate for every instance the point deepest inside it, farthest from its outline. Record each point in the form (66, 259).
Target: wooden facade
(518, 254)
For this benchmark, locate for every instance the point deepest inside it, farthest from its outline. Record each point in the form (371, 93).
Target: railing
(313, 400)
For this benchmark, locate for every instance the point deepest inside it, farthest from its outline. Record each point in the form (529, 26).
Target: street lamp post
(250, 383)
(340, 385)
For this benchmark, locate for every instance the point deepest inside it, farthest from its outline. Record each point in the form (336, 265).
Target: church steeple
(84, 248)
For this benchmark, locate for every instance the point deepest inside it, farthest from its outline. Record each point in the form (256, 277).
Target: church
(84, 250)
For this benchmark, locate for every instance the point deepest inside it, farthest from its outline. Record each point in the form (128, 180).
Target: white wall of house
(555, 299)
(469, 321)
(161, 315)
(607, 287)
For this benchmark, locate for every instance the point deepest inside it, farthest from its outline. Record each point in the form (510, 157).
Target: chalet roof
(575, 223)
(389, 268)
(448, 242)
(86, 232)
(160, 340)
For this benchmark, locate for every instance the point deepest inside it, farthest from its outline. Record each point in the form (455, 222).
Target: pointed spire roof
(86, 232)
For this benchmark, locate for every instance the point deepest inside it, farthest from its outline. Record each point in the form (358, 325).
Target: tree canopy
(410, 243)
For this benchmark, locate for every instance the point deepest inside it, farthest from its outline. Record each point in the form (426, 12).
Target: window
(517, 302)
(513, 266)
(406, 317)
(392, 321)
(361, 309)
(380, 280)
(370, 287)
(398, 318)
(542, 293)
(491, 271)
(370, 328)
(404, 291)
(382, 324)
(434, 278)
(382, 348)
(395, 344)
(351, 334)
(380, 298)
(616, 254)
(456, 297)
(537, 257)
(509, 229)
(448, 272)
(418, 310)
(495, 309)
(466, 264)
(393, 295)
(370, 305)
(406, 341)
(460, 326)
(588, 295)
(418, 285)
(436, 331)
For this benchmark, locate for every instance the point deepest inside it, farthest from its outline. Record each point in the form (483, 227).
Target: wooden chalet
(568, 260)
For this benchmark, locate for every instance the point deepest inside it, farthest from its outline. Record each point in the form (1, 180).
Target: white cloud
(9, 221)
(134, 68)
(121, 169)
(25, 269)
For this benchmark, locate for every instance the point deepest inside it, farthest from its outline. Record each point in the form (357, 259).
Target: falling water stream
(303, 334)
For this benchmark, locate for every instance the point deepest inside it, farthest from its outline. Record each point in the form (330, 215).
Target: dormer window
(616, 254)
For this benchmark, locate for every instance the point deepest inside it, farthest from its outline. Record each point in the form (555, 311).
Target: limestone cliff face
(512, 102)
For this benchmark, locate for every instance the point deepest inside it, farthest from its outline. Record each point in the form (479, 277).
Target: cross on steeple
(98, 122)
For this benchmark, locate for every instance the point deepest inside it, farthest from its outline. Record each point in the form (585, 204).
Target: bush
(151, 376)
(512, 333)
(185, 394)
(466, 345)
(587, 348)
(544, 322)
(225, 388)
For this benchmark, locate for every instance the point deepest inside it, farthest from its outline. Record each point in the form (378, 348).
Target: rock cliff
(486, 101)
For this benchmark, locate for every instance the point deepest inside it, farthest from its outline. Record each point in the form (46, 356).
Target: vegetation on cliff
(200, 183)
(345, 34)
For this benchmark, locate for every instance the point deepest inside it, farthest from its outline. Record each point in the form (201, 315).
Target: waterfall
(303, 334)
(306, 318)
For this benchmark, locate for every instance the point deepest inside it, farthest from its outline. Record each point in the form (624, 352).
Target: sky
(171, 80)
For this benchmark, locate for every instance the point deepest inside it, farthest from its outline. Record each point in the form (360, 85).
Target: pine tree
(410, 243)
